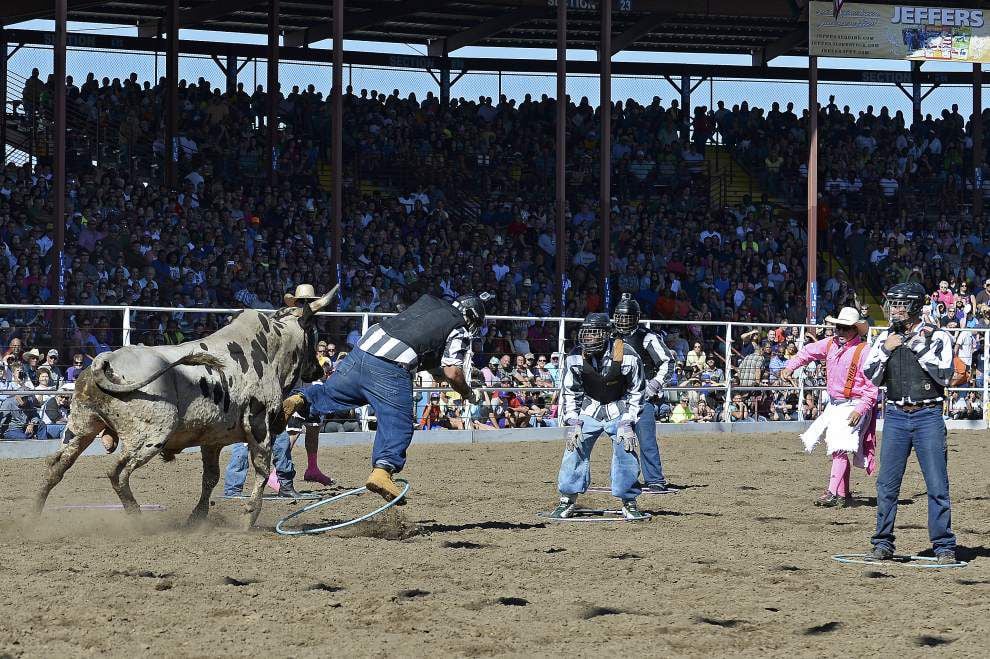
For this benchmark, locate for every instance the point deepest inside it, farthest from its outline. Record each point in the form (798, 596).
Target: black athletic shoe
(658, 488)
(288, 492)
(881, 553)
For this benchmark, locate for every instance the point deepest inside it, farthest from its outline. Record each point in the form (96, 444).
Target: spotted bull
(223, 389)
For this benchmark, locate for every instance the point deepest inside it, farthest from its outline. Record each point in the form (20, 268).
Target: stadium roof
(719, 26)
(765, 28)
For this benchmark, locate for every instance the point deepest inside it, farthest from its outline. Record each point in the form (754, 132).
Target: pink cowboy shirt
(837, 363)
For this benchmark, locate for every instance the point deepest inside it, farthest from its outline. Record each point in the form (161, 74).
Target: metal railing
(728, 333)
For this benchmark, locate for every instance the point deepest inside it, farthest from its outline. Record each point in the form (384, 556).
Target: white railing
(727, 329)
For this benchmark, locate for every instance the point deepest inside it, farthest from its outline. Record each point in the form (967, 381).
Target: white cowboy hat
(849, 317)
(303, 292)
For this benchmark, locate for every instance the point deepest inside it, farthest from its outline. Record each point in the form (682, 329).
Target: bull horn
(317, 305)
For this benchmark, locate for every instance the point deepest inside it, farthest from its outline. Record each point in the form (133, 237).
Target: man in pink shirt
(848, 424)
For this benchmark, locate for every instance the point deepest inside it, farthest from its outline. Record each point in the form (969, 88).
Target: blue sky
(759, 93)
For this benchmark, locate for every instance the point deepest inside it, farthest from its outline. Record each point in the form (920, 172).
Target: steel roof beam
(448, 44)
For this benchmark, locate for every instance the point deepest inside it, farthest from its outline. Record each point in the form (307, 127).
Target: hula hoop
(923, 562)
(593, 516)
(155, 507)
(309, 496)
(332, 527)
(645, 493)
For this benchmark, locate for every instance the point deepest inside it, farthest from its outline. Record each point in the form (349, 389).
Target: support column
(337, 149)
(916, 92)
(445, 81)
(272, 88)
(560, 162)
(605, 156)
(231, 73)
(58, 249)
(812, 256)
(977, 140)
(3, 96)
(171, 93)
(685, 108)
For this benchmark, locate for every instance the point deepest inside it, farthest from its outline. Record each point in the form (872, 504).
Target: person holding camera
(19, 418)
(913, 359)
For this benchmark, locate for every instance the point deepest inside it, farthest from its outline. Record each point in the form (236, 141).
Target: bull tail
(111, 382)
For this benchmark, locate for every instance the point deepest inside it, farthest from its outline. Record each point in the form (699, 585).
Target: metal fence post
(728, 372)
(800, 409)
(126, 334)
(986, 382)
(560, 338)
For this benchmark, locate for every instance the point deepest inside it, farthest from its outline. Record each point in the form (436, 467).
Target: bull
(223, 389)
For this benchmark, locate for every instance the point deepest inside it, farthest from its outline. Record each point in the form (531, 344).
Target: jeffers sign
(904, 32)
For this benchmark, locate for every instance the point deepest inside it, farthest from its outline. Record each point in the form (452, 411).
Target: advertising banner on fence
(911, 32)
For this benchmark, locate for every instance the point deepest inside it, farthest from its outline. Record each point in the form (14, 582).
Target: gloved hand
(652, 389)
(573, 439)
(627, 435)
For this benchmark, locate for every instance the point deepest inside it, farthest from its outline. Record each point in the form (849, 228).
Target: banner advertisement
(904, 32)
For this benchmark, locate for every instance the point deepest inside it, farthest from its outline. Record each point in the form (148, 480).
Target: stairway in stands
(731, 182)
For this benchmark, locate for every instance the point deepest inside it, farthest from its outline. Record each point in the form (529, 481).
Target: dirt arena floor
(736, 565)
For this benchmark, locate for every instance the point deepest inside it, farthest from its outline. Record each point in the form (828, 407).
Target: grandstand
(706, 216)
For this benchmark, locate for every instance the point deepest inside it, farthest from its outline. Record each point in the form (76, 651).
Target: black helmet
(594, 333)
(626, 315)
(473, 309)
(909, 296)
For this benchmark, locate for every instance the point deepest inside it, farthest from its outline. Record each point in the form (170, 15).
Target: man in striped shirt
(914, 360)
(657, 362)
(431, 334)
(603, 389)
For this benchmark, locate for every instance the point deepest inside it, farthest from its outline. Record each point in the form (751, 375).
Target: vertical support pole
(273, 89)
(812, 284)
(728, 373)
(977, 140)
(337, 155)
(560, 160)
(986, 380)
(605, 142)
(916, 92)
(3, 95)
(562, 338)
(685, 108)
(500, 80)
(171, 92)
(231, 73)
(61, 16)
(800, 409)
(445, 79)
(126, 327)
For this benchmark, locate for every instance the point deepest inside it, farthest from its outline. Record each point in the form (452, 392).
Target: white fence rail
(722, 341)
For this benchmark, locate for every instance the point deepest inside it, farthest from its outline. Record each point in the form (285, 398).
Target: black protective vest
(424, 327)
(907, 379)
(605, 387)
(635, 340)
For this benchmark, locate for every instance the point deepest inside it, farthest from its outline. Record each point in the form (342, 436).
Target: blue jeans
(237, 468)
(575, 468)
(362, 379)
(923, 430)
(649, 448)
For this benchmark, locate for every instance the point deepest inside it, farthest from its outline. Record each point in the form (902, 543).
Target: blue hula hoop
(281, 530)
(922, 562)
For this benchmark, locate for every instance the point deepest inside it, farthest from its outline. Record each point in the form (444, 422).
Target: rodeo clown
(431, 334)
(914, 360)
(848, 424)
(602, 392)
(657, 359)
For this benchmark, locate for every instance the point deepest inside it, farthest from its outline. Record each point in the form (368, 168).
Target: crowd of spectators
(449, 200)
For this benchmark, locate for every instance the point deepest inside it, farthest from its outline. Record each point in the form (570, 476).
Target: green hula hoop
(923, 562)
(281, 530)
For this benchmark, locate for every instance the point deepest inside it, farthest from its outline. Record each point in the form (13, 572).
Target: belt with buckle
(914, 407)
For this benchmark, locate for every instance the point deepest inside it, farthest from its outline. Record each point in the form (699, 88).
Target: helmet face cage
(592, 339)
(625, 323)
(900, 309)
